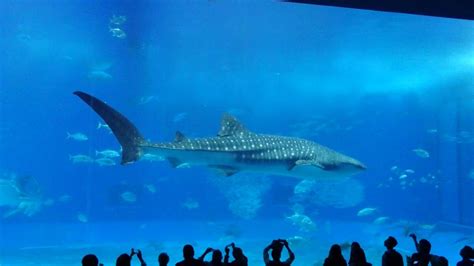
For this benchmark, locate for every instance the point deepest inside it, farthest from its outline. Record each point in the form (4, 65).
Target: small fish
(179, 117)
(190, 204)
(99, 75)
(297, 240)
(48, 202)
(428, 227)
(421, 153)
(394, 168)
(145, 99)
(366, 212)
(402, 177)
(77, 136)
(423, 179)
(151, 188)
(82, 217)
(105, 161)
(118, 33)
(409, 171)
(104, 126)
(64, 198)
(303, 221)
(128, 196)
(183, 165)
(117, 20)
(381, 220)
(67, 58)
(108, 153)
(81, 158)
(151, 157)
(432, 131)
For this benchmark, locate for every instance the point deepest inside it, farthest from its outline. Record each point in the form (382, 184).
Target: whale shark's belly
(242, 161)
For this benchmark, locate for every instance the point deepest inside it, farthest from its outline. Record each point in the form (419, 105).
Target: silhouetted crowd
(272, 256)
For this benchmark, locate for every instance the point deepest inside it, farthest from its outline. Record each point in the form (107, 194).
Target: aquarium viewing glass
(204, 90)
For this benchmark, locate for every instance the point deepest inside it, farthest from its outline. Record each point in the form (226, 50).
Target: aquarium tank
(155, 124)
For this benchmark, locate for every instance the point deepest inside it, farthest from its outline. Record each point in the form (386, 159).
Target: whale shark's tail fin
(124, 130)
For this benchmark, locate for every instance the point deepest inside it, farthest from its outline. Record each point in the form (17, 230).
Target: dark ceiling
(461, 9)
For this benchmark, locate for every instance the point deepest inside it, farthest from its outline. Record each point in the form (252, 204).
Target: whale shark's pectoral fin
(179, 137)
(299, 163)
(230, 126)
(224, 169)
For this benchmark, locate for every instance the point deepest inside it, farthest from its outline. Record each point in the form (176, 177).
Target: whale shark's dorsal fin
(179, 137)
(230, 126)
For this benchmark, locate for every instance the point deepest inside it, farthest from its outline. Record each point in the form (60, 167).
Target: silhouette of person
(467, 254)
(391, 257)
(357, 256)
(335, 257)
(239, 258)
(163, 259)
(188, 255)
(422, 256)
(90, 260)
(139, 256)
(123, 260)
(277, 247)
(126, 260)
(216, 257)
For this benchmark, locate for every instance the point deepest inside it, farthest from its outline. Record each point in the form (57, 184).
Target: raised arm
(140, 257)
(413, 236)
(205, 253)
(226, 257)
(266, 257)
(290, 252)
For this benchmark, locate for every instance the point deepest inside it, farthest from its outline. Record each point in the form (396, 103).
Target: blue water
(372, 85)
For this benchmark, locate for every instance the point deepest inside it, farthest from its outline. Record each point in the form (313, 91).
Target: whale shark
(235, 149)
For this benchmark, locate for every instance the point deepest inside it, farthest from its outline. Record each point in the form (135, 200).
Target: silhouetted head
(390, 242)
(237, 253)
(355, 245)
(357, 254)
(123, 260)
(90, 260)
(335, 251)
(216, 256)
(163, 259)
(442, 261)
(424, 246)
(276, 254)
(277, 247)
(188, 252)
(355, 248)
(467, 252)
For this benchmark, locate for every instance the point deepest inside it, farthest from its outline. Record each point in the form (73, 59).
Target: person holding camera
(277, 247)
(216, 257)
(239, 258)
